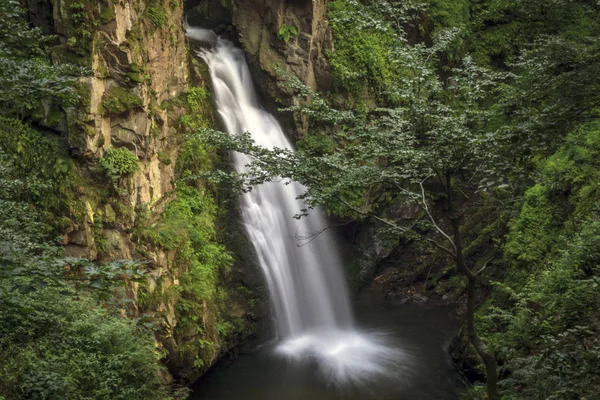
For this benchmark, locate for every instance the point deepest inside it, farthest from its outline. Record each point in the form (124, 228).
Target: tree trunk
(489, 360)
(482, 349)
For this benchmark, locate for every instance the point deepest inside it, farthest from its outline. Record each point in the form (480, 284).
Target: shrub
(53, 346)
(38, 161)
(363, 49)
(286, 32)
(118, 163)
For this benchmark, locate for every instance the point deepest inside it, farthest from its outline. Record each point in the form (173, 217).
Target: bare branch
(303, 240)
(485, 265)
(435, 225)
(475, 173)
(441, 247)
(398, 227)
(423, 206)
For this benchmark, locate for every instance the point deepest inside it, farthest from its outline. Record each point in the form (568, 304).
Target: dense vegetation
(62, 333)
(68, 328)
(59, 337)
(482, 114)
(486, 120)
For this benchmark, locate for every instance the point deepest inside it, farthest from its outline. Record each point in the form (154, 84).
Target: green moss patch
(117, 100)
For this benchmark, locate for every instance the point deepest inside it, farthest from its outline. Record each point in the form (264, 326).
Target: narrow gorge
(294, 199)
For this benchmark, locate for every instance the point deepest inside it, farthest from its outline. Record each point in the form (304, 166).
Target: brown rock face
(261, 25)
(258, 23)
(138, 55)
(293, 35)
(128, 52)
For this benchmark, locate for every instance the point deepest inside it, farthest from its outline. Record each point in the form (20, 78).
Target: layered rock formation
(134, 99)
(279, 37)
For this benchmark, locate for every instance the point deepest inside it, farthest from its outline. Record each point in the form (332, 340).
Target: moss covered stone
(107, 14)
(138, 74)
(117, 100)
(157, 16)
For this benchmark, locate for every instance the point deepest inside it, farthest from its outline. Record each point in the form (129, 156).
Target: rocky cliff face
(293, 36)
(137, 63)
(142, 93)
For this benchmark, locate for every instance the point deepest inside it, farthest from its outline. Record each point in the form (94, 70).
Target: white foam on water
(346, 356)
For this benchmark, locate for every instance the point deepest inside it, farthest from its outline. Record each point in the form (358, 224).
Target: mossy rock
(107, 14)
(157, 16)
(138, 74)
(117, 100)
(63, 54)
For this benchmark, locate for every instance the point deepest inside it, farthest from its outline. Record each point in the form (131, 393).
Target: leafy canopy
(26, 73)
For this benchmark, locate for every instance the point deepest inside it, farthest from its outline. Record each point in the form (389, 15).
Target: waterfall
(306, 284)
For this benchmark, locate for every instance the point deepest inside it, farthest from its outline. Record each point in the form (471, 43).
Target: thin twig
(398, 227)
(426, 209)
(485, 265)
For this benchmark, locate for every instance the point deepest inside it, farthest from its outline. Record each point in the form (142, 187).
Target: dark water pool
(424, 372)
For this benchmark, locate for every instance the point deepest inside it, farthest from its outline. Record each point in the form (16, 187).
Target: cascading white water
(306, 284)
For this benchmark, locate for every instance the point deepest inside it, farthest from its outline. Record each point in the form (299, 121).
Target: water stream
(314, 320)
(306, 284)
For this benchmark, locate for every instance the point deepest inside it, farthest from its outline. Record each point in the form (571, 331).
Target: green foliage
(364, 45)
(188, 226)
(151, 300)
(107, 14)
(53, 346)
(157, 16)
(574, 169)
(195, 156)
(83, 19)
(501, 29)
(547, 333)
(31, 152)
(568, 193)
(41, 173)
(117, 100)
(26, 74)
(316, 144)
(286, 32)
(119, 162)
(56, 339)
(535, 234)
(543, 319)
(449, 13)
(199, 115)
(138, 74)
(163, 157)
